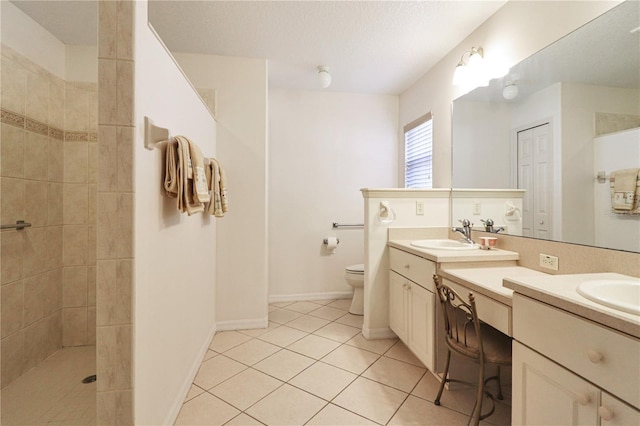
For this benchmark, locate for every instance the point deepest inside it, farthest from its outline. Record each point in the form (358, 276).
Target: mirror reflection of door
(535, 175)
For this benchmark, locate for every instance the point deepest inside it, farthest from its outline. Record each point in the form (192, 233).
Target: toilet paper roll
(332, 244)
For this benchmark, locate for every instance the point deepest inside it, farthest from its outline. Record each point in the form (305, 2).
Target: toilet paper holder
(326, 241)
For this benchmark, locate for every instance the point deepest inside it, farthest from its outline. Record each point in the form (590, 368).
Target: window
(418, 141)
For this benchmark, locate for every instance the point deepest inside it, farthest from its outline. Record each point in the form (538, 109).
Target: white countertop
(445, 256)
(560, 291)
(487, 280)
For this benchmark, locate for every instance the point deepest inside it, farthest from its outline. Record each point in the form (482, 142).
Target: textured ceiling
(369, 46)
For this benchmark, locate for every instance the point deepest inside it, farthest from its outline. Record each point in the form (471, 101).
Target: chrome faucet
(465, 230)
(488, 226)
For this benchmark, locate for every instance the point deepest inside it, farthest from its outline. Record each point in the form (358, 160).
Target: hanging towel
(201, 187)
(171, 170)
(223, 188)
(215, 206)
(179, 176)
(624, 189)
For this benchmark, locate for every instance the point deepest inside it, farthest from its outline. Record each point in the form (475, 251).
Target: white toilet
(354, 275)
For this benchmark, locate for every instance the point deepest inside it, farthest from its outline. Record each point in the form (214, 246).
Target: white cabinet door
(546, 394)
(397, 305)
(422, 324)
(614, 412)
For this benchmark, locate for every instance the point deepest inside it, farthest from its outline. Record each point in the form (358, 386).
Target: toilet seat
(356, 269)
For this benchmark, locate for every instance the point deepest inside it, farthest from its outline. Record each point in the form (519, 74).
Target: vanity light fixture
(473, 71)
(324, 78)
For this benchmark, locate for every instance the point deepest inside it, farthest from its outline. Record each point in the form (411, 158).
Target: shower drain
(90, 379)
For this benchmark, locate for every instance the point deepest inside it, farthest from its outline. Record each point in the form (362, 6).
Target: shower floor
(52, 393)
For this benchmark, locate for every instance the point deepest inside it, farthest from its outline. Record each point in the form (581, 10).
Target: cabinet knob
(583, 399)
(594, 356)
(605, 412)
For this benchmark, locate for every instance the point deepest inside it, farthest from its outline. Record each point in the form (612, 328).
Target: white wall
(580, 102)
(324, 147)
(175, 254)
(23, 34)
(620, 150)
(242, 147)
(517, 30)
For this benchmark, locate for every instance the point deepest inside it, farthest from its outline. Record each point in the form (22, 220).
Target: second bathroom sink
(444, 245)
(623, 295)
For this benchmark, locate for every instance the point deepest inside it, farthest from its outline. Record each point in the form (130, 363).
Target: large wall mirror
(552, 124)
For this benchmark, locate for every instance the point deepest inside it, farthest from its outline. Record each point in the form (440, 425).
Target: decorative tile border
(18, 120)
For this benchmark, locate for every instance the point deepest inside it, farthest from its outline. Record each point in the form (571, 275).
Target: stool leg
(477, 408)
(444, 378)
(499, 395)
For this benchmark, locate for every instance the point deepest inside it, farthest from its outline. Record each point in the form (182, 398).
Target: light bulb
(510, 91)
(324, 77)
(460, 74)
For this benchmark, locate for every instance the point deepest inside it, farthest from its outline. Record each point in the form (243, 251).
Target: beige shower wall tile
(93, 111)
(74, 326)
(76, 108)
(76, 204)
(114, 357)
(54, 246)
(76, 245)
(56, 160)
(12, 200)
(93, 204)
(36, 157)
(56, 110)
(125, 139)
(12, 249)
(74, 286)
(123, 356)
(92, 239)
(124, 37)
(11, 318)
(107, 28)
(124, 93)
(124, 235)
(54, 331)
(93, 163)
(35, 251)
(35, 293)
(91, 285)
(36, 205)
(107, 88)
(14, 85)
(76, 162)
(55, 202)
(106, 273)
(124, 291)
(12, 151)
(107, 225)
(36, 347)
(91, 325)
(37, 97)
(54, 293)
(12, 348)
(108, 154)
(115, 408)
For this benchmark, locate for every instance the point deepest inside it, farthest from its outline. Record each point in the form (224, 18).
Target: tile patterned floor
(312, 366)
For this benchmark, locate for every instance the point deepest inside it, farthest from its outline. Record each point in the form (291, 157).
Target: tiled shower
(48, 178)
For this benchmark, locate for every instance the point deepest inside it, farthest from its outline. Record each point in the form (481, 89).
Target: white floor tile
(216, 370)
(378, 346)
(286, 406)
(225, 340)
(246, 388)
(351, 359)
(243, 419)
(343, 304)
(283, 336)
(193, 392)
(255, 332)
(252, 351)
(397, 374)
(323, 380)
(338, 332)
(313, 346)
(328, 313)
(418, 412)
(283, 316)
(332, 415)
(206, 409)
(370, 399)
(284, 365)
(352, 320)
(307, 323)
(400, 352)
(303, 307)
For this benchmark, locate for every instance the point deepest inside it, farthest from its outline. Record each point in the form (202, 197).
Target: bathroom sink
(623, 295)
(444, 245)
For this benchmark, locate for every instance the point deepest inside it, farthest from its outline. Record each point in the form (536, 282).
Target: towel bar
(19, 225)
(343, 225)
(153, 134)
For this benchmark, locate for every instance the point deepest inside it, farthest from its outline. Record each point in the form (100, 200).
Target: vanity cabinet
(412, 303)
(567, 369)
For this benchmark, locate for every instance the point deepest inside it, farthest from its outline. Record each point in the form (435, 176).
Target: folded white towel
(624, 189)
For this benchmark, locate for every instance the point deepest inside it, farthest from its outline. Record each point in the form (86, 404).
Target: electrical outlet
(548, 262)
(420, 208)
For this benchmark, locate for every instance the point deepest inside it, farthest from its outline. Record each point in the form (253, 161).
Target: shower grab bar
(343, 225)
(19, 225)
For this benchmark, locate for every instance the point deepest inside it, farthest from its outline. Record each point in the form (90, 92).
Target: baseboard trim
(186, 386)
(243, 324)
(378, 333)
(274, 298)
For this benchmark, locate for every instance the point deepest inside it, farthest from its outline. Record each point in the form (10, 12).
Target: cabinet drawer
(603, 356)
(493, 313)
(415, 268)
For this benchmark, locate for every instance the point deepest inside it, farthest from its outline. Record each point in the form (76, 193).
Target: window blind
(418, 150)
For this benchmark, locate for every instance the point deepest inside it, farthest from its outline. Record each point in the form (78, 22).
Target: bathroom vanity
(574, 360)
